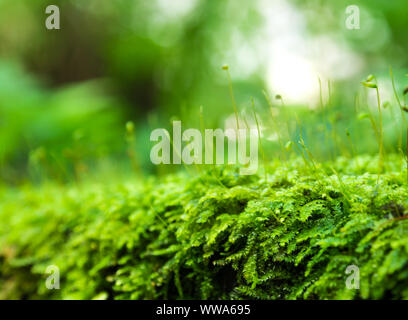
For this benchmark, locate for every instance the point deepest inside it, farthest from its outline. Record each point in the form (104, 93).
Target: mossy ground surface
(213, 235)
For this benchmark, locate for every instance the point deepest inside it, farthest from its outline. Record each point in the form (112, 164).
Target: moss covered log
(212, 235)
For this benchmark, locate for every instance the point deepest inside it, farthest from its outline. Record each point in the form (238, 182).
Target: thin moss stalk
(275, 124)
(371, 82)
(260, 140)
(234, 104)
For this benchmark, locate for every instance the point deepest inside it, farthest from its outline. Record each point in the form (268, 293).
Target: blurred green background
(66, 95)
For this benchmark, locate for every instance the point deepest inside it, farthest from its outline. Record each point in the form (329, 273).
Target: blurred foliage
(151, 61)
(66, 94)
(382, 38)
(54, 129)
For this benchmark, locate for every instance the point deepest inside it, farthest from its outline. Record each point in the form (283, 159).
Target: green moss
(218, 235)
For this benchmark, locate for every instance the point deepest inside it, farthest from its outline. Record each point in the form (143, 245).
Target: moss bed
(212, 235)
